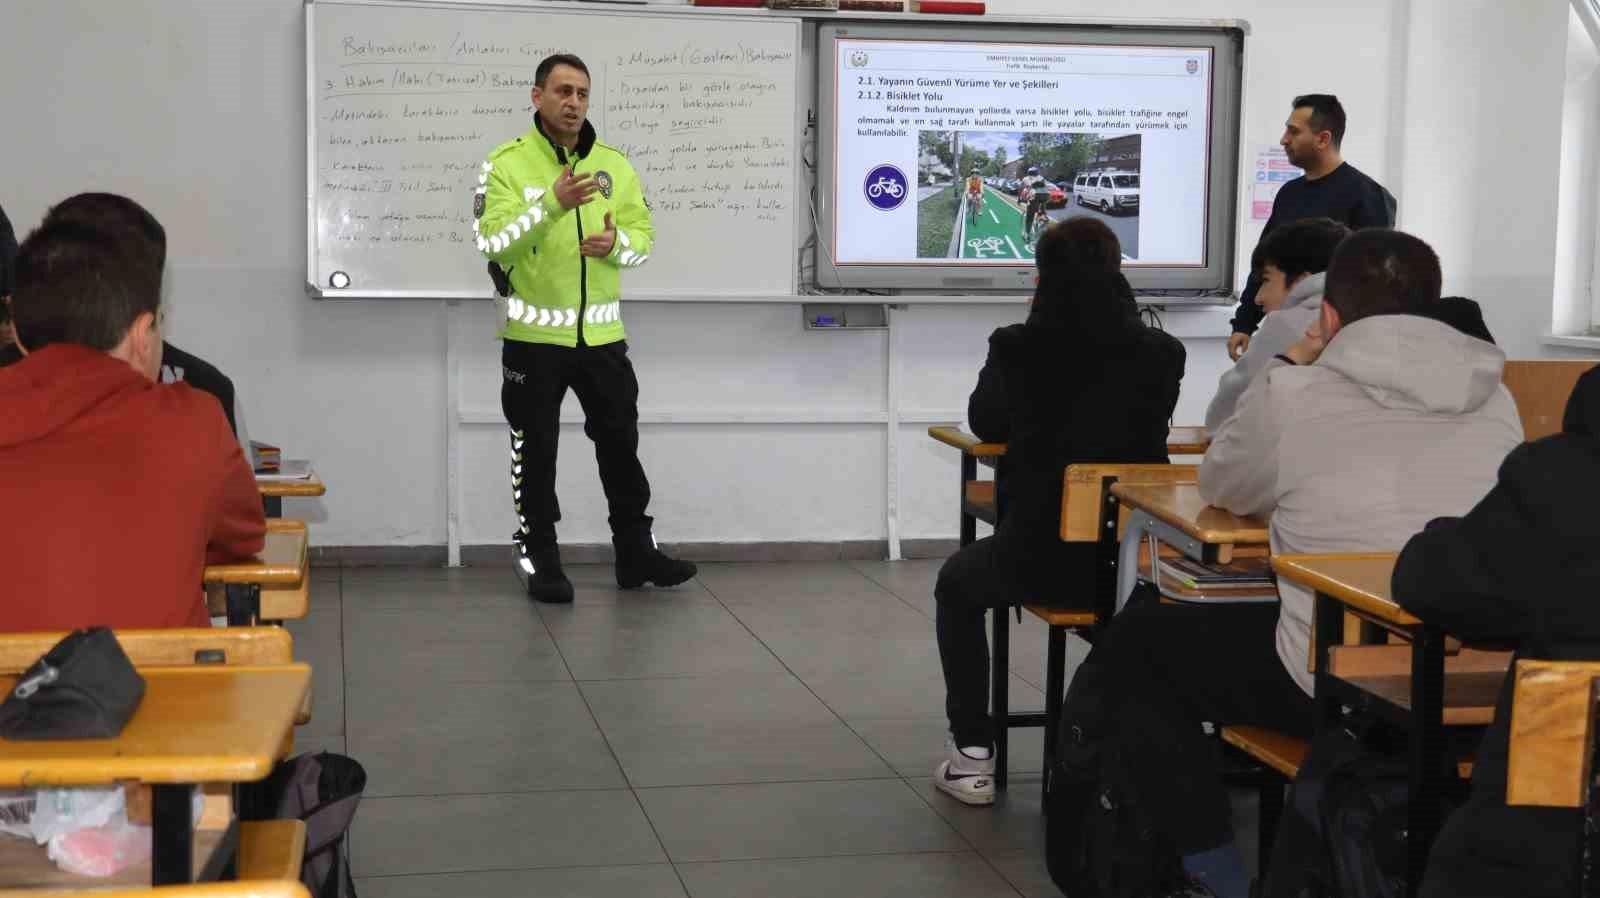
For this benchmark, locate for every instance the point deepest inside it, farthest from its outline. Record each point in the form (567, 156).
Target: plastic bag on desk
(102, 850)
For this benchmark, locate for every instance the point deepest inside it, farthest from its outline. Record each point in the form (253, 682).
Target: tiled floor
(767, 729)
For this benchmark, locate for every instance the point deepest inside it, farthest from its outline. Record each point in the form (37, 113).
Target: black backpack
(1100, 841)
(323, 790)
(1345, 833)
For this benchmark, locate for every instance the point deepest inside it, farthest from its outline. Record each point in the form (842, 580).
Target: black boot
(640, 562)
(546, 581)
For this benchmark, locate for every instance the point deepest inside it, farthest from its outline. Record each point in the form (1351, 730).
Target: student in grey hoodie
(1290, 265)
(1380, 420)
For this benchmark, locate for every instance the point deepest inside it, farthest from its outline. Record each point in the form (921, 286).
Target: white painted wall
(197, 109)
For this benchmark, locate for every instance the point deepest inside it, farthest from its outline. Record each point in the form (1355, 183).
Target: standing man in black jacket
(1083, 380)
(1330, 188)
(1519, 570)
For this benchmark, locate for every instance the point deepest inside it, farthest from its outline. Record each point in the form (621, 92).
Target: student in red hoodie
(117, 490)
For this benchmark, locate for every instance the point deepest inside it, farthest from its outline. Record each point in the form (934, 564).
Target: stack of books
(265, 457)
(1241, 573)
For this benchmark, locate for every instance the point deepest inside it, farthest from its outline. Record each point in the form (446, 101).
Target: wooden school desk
(273, 492)
(198, 725)
(275, 585)
(977, 502)
(1176, 516)
(1420, 699)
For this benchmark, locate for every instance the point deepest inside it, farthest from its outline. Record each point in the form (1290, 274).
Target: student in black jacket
(1083, 380)
(8, 258)
(1519, 570)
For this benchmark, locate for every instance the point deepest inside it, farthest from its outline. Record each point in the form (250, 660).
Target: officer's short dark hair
(1377, 271)
(550, 62)
(84, 283)
(1327, 114)
(1299, 247)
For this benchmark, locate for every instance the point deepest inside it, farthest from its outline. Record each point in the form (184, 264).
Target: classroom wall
(197, 109)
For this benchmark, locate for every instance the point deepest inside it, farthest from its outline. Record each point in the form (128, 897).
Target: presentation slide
(954, 153)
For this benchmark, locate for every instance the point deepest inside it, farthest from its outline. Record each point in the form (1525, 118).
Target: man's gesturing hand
(572, 190)
(599, 245)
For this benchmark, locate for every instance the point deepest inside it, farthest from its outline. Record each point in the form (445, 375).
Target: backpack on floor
(322, 790)
(1100, 841)
(1345, 833)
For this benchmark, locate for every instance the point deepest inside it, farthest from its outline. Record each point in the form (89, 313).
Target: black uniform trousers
(534, 381)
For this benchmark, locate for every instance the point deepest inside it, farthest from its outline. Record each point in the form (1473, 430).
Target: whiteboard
(404, 100)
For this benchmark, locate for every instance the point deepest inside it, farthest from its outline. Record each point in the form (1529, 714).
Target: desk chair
(1541, 388)
(1089, 514)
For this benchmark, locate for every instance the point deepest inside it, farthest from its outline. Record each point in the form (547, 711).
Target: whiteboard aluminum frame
(316, 291)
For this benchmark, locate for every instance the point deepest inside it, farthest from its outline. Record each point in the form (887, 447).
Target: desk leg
(244, 604)
(172, 835)
(999, 685)
(1329, 616)
(272, 506)
(1427, 750)
(1055, 687)
(969, 524)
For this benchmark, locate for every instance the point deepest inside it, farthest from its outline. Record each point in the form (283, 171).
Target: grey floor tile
(644, 881)
(319, 641)
(467, 644)
(756, 701)
(711, 755)
(429, 738)
(713, 823)
(930, 875)
(757, 582)
(430, 587)
(458, 833)
(910, 580)
(1026, 872)
(1014, 822)
(914, 746)
(898, 687)
(656, 640)
(311, 738)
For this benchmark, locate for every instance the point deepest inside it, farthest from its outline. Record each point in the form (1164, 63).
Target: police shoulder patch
(477, 205)
(602, 180)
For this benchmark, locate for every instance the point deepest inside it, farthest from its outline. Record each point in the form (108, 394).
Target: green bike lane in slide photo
(997, 231)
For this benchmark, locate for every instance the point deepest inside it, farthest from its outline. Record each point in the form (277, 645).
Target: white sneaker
(967, 774)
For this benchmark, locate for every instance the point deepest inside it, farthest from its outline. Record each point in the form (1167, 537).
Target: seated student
(177, 366)
(1083, 380)
(117, 490)
(1463, 314)
(1291, 264)
(1399, 420)
(1519, 570)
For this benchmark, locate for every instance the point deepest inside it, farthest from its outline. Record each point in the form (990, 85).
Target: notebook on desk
(288, 469)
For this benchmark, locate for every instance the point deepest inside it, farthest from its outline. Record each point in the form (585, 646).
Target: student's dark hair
(84, 284)
(550, 62)
(113, 210)
(1377, 271)
(1299, 247)
(1080, 262)
(1327, 114)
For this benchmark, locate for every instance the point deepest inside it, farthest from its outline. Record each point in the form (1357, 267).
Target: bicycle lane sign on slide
(997, 234)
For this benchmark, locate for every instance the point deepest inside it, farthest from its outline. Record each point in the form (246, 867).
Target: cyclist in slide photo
(1033, 210)
(974, 194)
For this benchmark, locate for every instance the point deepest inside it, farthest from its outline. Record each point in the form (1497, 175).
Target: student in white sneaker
(1083, 380)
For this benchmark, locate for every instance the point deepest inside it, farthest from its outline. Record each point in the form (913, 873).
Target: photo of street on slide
(989, 194)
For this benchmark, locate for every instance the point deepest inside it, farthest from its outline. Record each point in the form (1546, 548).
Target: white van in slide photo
(1108, 191)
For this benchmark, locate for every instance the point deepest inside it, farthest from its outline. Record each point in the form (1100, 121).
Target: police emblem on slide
(858, 59)
(602, 180)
